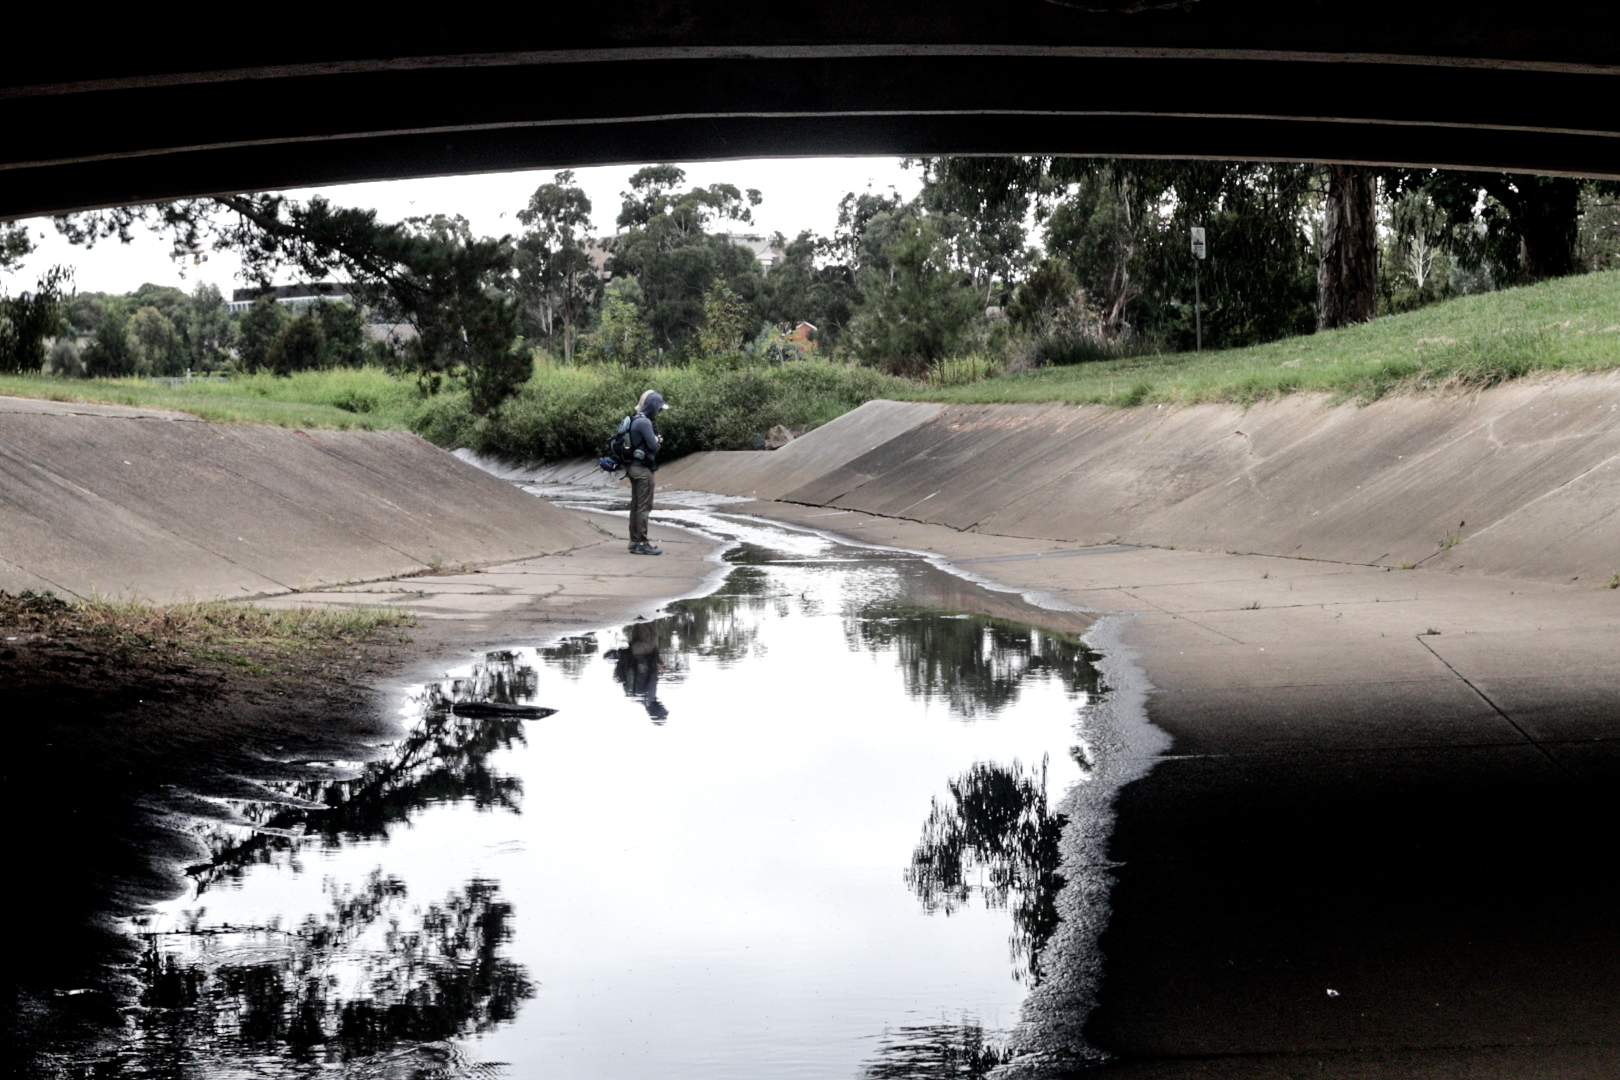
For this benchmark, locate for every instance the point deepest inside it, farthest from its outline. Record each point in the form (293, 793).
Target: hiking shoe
(645, 549)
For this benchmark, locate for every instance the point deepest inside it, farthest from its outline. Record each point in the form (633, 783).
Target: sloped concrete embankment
(1522, 480)
(163, 506)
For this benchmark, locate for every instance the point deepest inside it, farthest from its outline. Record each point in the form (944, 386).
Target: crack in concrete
(1486, 698)
(1101, 549)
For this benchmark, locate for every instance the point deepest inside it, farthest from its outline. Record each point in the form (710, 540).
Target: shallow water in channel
(830, 820)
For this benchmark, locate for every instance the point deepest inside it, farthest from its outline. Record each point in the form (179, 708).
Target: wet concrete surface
(1378, 845)
(122, 780)
(514, 603)
(1382, 841)
(471, 891)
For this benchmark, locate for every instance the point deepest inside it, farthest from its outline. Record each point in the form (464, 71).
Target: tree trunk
(568, 322)
(1549, 221)
(1347, 276)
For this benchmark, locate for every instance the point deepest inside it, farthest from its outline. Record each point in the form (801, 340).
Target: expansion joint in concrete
(1486, 698)
(873, 513)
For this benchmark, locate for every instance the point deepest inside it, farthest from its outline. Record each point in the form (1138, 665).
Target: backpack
(617, 454)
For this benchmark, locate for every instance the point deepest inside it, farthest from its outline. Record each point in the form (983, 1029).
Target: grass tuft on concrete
(202, 628)
(1569, 325)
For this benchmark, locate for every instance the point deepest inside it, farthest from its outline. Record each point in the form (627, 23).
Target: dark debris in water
(479, 710)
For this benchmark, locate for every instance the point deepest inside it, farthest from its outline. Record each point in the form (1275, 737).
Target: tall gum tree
(1347, 270)
(555, 273)
(1528, 226)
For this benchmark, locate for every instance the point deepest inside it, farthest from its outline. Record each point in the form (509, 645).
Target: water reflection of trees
(442, 758)
(934, 1052)
(369, 979)
(974, 663)
(499, 679)
(723, 627)
(375, 981)
(571, 655)
(994, 837)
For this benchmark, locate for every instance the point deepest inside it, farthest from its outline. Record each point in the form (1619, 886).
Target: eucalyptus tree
(15, 245)
(257, 330)
(1420, 233)
(919, 309)
(1123, 226)
(428, 272)
(866, 227)
(980, 205)
(301, 346)
(110, 353)
(1102, 221)
(157, 342)
(210, 333)
(343, 330)
(665, 242)
(1525, 227)
(33, 315)
(809, 285)
(30, 317)
(557, 279)
(1347, 251)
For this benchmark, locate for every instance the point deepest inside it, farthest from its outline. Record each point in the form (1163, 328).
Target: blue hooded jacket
(643, 440)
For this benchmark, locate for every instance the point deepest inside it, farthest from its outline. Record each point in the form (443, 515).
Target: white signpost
(1200, 252)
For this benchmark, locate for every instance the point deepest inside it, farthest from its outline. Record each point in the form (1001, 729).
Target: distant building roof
(764, 248)
(298, 296)
(312, 290)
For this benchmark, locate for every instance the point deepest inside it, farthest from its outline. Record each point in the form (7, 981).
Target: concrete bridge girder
(1442, 84)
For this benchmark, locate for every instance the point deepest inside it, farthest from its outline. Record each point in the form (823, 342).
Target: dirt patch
(121, 673)
(126, 724)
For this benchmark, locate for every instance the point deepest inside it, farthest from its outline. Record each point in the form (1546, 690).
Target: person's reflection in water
(637, 666)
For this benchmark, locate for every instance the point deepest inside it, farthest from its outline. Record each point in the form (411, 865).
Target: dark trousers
(641, 498)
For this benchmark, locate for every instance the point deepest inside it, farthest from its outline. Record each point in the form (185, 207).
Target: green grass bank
(1570, 325)
(366, 399)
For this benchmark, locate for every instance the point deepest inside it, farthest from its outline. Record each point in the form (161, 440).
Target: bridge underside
(149, 114)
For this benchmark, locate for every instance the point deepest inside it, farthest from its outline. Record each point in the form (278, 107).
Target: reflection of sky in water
(721, 891)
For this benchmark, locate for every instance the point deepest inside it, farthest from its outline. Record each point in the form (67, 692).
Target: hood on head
(651, 404)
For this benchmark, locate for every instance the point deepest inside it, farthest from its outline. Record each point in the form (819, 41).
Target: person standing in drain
(644, 444)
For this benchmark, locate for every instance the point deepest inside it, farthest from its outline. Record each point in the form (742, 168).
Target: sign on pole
(1200, 250)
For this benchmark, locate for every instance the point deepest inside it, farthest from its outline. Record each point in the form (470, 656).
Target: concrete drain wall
(1522, 480)
(163, 506)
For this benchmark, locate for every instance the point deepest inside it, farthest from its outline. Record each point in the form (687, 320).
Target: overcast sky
(800, 193)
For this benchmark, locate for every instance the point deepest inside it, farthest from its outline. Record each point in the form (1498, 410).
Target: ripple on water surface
(826, 821)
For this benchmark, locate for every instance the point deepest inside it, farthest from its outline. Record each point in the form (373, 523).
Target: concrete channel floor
(530, 601)
(1383, 842)
(1381, 845)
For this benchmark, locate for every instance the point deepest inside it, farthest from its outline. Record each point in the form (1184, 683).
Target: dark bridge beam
(1488, 84)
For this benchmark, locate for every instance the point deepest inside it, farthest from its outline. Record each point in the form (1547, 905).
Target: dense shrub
(568, 412)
